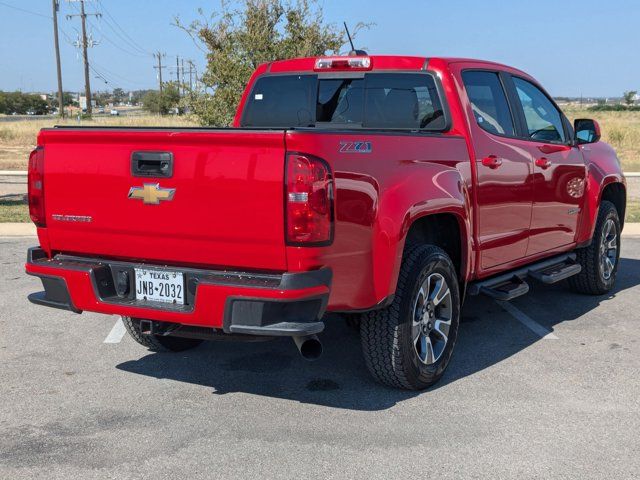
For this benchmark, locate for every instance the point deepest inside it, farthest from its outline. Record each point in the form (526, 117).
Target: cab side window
(544, 121)
(488, 102)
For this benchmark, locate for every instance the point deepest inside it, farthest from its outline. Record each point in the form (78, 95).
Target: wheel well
(616, 194)
(442, 230)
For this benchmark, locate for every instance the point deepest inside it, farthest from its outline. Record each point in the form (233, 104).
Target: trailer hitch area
(149, 327)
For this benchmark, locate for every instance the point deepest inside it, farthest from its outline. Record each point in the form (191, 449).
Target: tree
(21, 103)
(630, 97)
(101, 98)
(138, 95)
(238, 41)
(68, 99)
(161, 103)
(118, 95)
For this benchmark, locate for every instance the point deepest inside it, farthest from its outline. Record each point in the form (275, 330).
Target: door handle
(152, 164)
(543, 163)
(492, 162)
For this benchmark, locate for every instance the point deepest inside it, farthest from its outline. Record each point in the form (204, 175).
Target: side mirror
(587, 131)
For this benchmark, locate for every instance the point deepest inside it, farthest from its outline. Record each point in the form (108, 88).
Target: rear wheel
(158, 343)
(409, 344)
(599, 260)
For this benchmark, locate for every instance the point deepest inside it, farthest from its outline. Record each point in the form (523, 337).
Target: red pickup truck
(382, 187)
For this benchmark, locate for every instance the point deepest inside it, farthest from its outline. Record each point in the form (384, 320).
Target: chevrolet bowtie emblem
(151, 193)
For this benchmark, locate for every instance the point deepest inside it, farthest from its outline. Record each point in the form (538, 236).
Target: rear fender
(437, 189)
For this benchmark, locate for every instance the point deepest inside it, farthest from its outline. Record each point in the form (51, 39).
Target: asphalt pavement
(12, 185)
(544, 387)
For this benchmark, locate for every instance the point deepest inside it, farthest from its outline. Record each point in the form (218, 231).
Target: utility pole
(183, 82)
(159, 56)
(178, 72)
(85, 55)
(56, 6)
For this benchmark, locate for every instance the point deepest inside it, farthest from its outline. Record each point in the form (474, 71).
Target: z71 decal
(355, 147)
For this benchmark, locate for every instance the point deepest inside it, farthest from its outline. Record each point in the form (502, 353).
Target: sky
(573, 47)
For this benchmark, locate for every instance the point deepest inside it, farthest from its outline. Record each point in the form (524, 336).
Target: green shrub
(618, 107)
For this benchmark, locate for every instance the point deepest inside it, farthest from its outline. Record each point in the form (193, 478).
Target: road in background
(12, 185)
(511, 405)
(123, 111)
(633, 187)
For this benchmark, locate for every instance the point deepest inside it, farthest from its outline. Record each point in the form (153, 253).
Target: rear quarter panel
(378, 196)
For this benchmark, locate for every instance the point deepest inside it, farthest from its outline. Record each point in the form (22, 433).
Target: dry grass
(18, 138)
(621, 130)
(633, 212)
(13, 208)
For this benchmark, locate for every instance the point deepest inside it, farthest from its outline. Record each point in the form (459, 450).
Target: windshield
(376, 100)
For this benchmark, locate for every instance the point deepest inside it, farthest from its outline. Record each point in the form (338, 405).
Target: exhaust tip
(310, 347)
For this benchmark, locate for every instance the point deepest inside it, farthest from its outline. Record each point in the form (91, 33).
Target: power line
(26, 11)
(122, 38)
(104, 36)
(132, 42)
(113, 74)
(99, 75)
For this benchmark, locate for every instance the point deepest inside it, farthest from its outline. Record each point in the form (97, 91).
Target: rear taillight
(309, 201)
(36, 187)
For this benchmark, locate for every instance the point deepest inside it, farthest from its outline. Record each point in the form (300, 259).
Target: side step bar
(512, 284)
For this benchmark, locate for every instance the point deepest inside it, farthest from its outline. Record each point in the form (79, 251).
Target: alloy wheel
(432, 314)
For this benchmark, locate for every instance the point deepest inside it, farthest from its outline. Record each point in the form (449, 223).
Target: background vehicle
(408, 183)
(114, 112)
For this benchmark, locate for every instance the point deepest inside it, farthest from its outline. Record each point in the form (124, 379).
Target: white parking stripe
(116, 333)
(528, 322)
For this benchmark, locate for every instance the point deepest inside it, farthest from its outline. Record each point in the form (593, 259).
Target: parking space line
(116, 333)
(527, 321)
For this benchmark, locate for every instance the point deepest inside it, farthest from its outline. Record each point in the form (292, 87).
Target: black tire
(387, 335)
(158, 343)
(592, 280)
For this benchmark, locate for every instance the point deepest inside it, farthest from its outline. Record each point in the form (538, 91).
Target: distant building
(82, 101)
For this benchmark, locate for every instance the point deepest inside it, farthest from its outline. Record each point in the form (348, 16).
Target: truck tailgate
(226, 211)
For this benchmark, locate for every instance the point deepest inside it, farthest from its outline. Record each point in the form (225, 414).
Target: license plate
(160, 286)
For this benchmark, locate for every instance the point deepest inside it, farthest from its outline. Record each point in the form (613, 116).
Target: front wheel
(599, 260)
(409, 344)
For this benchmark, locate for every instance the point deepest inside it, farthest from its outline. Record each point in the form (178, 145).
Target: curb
(17, 230)
(631, 230)
(13, 173)
(29, 230)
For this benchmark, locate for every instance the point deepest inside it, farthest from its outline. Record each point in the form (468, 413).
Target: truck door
(504, 190)
(559, 170)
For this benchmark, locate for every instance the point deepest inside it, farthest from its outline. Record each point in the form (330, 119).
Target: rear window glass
(340, 101)
(282, 101)
(403, 101)
(385, 101)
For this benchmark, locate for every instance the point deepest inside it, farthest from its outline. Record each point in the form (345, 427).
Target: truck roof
(380, 62)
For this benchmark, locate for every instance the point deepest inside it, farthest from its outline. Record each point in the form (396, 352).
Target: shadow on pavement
(340, 378)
